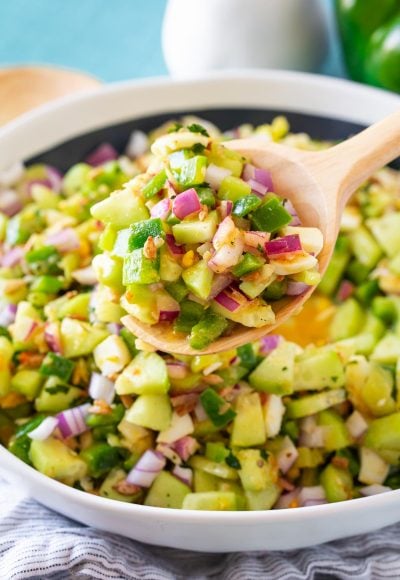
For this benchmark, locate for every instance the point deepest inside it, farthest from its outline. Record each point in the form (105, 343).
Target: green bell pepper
(370, 34)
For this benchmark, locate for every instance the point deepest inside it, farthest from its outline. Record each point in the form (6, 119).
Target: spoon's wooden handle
(350, 163)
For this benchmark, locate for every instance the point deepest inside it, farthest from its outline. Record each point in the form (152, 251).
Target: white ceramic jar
(204, 35)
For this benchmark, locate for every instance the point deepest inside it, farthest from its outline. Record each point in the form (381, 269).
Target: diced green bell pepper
(155, 184)
(210, 326)
(217, 409)
(271, 216)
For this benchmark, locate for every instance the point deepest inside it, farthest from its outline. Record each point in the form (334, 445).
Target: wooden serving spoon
(318, 183)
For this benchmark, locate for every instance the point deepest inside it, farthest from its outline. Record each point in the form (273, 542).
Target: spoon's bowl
(293, 179)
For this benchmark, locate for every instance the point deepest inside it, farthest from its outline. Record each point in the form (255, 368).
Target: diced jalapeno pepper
(245, 205)
(140, 231)
(190, 314)
(210, 326)
(217, 409)
(247, 264)
(155, 184)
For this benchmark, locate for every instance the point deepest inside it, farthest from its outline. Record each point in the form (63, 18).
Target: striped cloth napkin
(36, 543)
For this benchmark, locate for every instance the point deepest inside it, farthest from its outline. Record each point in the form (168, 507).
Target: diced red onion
(177, 369)
(147, 468)
(65, 240)
(44, 430)
(185, 447)
(71, 422)
(12, 257)
(311, 493)
(101, 388)
(227, 300)
(114, 327)
(54, 178)
(374, 489)
(10, 202)
(102, 154)
(30, 330)
(313, 438)
(258, 188)
(287, 500)
(289, 207)
(287, 455)
(7, 315)
(215, 175)
(263, 176)
(284, 245)
(11, 174)
(269, 343)
(346, 289)
(85, 276)
(168, 315)
(138, 144)
(296, 288)
(248, 172)
(312, 502)
(356, 424)
(185, 474)
(225, 208)
(220, 282)
(173, 247)
(52, 337)
(256, 239)
(199, 412)
(161, 209)
(186, 203)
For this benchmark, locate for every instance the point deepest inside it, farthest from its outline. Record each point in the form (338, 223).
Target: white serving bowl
(110, 112)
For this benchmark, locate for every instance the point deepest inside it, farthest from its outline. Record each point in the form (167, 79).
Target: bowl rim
(89, 118)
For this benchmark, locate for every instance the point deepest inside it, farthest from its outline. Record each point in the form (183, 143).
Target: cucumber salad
(203, 241)
(292, 420)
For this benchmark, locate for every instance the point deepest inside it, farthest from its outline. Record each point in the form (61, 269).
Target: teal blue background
(111, 39)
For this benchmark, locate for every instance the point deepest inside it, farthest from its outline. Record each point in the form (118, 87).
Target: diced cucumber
(56, 396)
(309, 458)
(210, 500)
(108, 490)
(347, 321)
(364, 247)
(336, 267)
(109, 210)
(255, 472)
(106, 306)
(198, 278)
(196, 231)
(151, 411)
(203, 481)
(54, 459)
(80, 338)
(311, 404)
(275, 373)
(6, 352)
(263, 499)
(146, 374)
(253, 288)
(376, 392)
(233, 188)
(336, 435)
(75, 178)
(318, 369)
(248, 427)
(167, 491)
(337, 483)
(221, 470)
(108, 270)
(357, 272)
(373, 469)
(367, 291)
(192, 171)
(28, 383)
(216, 451)
(387, 351)
(386, 230)
(170, 270)
(384, 433)
(141, 302)
(385, 309)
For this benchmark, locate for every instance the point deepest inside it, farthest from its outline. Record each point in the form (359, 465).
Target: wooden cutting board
(24, 88)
